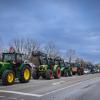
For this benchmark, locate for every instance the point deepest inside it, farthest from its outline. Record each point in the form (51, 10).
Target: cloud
(69, 23)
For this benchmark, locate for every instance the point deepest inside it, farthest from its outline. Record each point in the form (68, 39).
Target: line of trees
(28, 45)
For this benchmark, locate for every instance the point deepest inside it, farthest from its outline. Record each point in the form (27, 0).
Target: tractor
(77, 68)
(44, 66)
(65, 67)
(12, 66)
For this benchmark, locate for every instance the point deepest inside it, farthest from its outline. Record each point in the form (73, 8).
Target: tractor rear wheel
(49, 74)
(8, 77)
(25, 74)
(79, 71)
(35, 74)
(58, 73)
(73, 73)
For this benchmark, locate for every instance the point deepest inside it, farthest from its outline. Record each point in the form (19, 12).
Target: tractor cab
(67, 65)
(51, 63)
(13, 58)
(39, 58)
(60, 62)
(57, 61)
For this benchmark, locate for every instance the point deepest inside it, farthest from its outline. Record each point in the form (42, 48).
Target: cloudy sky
(69, 23)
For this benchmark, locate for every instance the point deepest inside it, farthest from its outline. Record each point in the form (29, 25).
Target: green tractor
(12, 66)
(44, 67)
(65, 67)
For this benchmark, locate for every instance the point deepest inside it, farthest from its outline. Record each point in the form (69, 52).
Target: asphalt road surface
(86, 87)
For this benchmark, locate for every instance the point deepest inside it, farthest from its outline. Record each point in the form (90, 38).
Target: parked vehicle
(77, 69)
(87, 71)
(45, 66)
(65, 67)
(12, 66)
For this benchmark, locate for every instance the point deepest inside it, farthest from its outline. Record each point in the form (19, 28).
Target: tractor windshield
(20, 57)
(50, 61)
(8, 57)
(62, 63)
(67, 64)
(43, 60)
(56, 62)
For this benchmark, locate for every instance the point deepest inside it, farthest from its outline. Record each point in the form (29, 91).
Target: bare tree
(51, 50)
(18, 44)
(71, 54)
(24, 45)
(31, 45)
(80, 60)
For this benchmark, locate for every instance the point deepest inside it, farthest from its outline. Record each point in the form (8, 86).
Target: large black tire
(65, 73)
(82, 72)
(8, 77)
(57, 73)
(35, 74)
(69, 73)
(73, 73)
(49, 74)
(79, 72)
(44, 75)
(22, 77)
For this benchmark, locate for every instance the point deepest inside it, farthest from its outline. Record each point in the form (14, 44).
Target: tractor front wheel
(8, 77)
(35, 74)
(25, 74)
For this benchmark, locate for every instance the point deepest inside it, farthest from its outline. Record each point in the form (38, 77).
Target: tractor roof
(14, 53)
(39, 53)
(59, 59)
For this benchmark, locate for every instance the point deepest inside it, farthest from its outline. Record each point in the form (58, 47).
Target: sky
(69, 24)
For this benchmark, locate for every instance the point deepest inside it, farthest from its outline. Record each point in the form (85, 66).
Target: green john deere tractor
(12, 66)
(44, 67)
(65, 67)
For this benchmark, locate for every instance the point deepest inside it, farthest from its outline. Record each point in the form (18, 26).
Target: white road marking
(57, 90)
(12, 98)
(21, 93)
(21, 99)
(79, 83)
(57, 83)
(2, 96)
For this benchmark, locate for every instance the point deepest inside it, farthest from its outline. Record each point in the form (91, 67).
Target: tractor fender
(5, 66)
(55, 68)
(62, 69)
(23, 65)
(20, 68)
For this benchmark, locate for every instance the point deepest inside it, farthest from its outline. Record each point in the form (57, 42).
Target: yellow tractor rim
(26, 74)
(10, 77)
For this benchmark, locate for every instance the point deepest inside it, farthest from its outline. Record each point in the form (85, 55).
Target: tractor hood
(4, 64)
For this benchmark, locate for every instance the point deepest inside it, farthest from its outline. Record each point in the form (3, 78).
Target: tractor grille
(41, 68)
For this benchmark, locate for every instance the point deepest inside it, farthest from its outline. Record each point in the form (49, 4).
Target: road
(86, 87)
